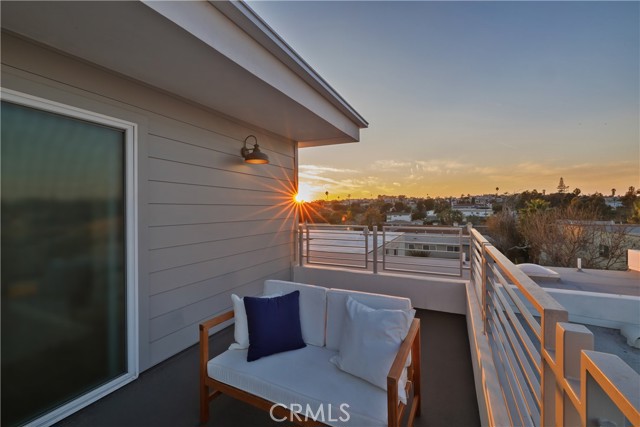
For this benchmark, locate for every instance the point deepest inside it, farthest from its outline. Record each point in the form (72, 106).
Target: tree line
(557, 229)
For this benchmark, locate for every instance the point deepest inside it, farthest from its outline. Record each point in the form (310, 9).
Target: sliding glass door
(64, 259)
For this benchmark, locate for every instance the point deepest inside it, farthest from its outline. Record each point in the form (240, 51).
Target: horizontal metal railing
(423, 250)
(335, 245)
(418, 249)
(547, 371)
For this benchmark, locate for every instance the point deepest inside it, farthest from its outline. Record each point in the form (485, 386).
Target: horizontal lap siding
(216, 226)
(209, 225)
(183, 337)
(177, 235)
(184, 276)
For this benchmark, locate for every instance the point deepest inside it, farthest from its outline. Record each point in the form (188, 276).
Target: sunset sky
(464, 97)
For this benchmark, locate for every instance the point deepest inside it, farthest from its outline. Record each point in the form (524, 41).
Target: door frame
(131, 245)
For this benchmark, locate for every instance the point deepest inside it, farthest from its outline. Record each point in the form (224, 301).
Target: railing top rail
(334, 226)
(617, 379)
(537, 296)
(479, 237)
(421, 228)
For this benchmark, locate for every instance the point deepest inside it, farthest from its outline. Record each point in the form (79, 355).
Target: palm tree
(536, 205)
(613, 192)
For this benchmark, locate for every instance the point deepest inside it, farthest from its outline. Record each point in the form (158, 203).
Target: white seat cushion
(304, 377)
(337, 310)
(313, 302)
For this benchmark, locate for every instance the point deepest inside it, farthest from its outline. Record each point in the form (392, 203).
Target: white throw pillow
(370, 341)
(241, 329)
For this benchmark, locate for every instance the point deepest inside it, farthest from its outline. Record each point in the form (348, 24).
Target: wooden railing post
(550, 317)
(571, 339)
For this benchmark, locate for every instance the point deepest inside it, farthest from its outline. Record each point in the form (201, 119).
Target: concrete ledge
(426, 292)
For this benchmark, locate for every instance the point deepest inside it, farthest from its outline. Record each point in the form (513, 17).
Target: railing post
(549, 387)
(474, 274)
(571, 339)
(366, 247)
(384, 248)
(300, 245)
(461, 255)
(306, 226)
(375, 249)
(485, 301)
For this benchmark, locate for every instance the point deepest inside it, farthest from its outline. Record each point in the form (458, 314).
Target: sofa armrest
(208, 324)
(204, 336)
(410, 344)
(204, 359)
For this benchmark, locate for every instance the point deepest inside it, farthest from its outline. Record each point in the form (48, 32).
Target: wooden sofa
(305, 376)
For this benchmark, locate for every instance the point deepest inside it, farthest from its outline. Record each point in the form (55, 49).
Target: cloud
(444, 177)
(390, 164)
(315, 169)
(312, 177)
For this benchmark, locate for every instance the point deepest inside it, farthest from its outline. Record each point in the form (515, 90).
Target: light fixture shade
(256, 157)
(253, 156)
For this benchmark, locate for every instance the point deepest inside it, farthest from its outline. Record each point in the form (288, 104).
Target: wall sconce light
(253, 156)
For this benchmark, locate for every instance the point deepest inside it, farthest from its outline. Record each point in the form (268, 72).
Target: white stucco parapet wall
(599, 309)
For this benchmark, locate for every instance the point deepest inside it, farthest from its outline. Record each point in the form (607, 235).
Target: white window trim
(131, 212)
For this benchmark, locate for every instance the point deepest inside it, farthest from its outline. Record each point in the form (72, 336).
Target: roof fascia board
(246, 18)
(322, 142)
(211, 26)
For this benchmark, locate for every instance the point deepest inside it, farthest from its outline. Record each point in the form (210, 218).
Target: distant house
(613, 202)
(601, 244)
(399, 218)
(128, 213)
(479, 211)
(428, 245)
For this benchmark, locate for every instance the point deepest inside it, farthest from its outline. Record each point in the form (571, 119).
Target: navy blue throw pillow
(274, 325)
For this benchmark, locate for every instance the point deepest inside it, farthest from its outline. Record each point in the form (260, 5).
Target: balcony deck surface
(167, 394)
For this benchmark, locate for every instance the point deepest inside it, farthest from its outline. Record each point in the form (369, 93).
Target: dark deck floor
(167, 394)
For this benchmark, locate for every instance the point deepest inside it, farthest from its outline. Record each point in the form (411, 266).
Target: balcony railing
(543, 370)
(416, 250)
(547, 370)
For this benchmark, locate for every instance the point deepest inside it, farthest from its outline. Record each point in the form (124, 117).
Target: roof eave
(246, 18)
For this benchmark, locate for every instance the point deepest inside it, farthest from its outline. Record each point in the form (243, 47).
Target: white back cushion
(313, 303)
(241, 328)
(370, 342)
(337, 310)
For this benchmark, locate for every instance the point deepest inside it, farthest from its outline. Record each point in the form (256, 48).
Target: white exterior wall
(209, 225)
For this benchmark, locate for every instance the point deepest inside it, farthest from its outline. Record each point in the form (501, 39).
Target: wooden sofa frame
(210, 388)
